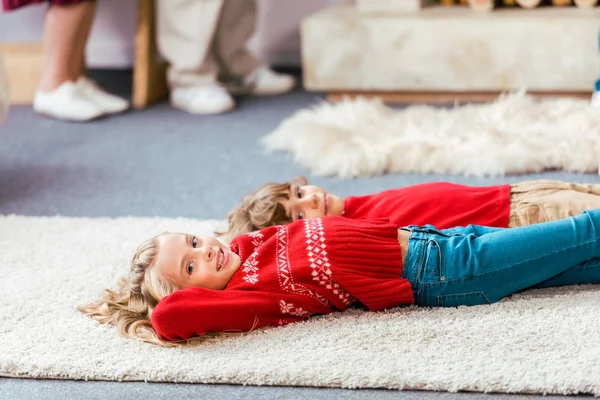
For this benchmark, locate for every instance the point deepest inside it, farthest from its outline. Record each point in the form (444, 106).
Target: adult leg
(185, 33)
(58, 95)
(109, 103)
(453, 268)
(64, 44)
(235, 28)
(240, 70)
(82, 39)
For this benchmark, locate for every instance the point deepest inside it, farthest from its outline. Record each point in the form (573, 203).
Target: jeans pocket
(463, 299)
(433, 270)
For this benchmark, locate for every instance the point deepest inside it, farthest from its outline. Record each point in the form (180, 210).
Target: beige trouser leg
(236, 27)
(204, 40)
(532, 202)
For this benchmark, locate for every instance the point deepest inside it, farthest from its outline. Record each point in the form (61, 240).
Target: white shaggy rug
(545, 341)
(515, 134)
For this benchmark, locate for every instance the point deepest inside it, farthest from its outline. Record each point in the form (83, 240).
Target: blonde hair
(260, 209)
(130, 306)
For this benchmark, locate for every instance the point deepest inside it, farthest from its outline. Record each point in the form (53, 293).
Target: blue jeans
(479, 265)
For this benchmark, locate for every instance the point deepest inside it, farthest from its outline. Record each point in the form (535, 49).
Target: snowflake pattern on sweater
(319, 262)
(250, 266)
(288, 273)
(286, 278)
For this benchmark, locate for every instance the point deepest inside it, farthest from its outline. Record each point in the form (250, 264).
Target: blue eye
(190, 268)
(194, 242)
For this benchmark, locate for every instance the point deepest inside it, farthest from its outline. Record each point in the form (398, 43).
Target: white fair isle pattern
(250, 266)
(542, 341)
(317, 256)
(257, 239)
(250, 269)
(290, 308)
(284, 273)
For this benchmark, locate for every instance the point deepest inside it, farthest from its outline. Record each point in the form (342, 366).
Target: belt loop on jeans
(417, 231)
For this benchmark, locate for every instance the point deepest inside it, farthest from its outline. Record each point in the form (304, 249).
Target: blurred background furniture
(437, 53)
(410, 50)
(122, 39)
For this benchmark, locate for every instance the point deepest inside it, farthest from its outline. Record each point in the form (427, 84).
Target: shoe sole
(201, 112)
(107, 109)
(67, 119)
(249, 91)
(116, 111)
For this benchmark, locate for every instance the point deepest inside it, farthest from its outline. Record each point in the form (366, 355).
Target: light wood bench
(149, 71)
(24, 69)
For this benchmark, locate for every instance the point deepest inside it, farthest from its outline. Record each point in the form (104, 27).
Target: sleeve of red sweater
(369, 263)
(197, 311)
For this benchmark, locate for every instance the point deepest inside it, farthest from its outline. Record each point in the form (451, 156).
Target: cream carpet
(514, 134)
(545, 341)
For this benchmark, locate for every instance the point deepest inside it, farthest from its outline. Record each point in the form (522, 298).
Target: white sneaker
(66, 102)
(264, 81)
(110, 103)
(595, 102)
(208, 99)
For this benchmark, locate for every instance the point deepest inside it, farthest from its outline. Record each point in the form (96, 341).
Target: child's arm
(196, 312)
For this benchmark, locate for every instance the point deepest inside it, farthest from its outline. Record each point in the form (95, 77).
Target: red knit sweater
(442, 204)
(291, 272)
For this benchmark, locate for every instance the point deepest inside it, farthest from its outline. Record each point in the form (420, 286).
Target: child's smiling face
(190, 261)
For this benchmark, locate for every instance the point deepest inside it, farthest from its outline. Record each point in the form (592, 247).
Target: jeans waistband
(417, 242)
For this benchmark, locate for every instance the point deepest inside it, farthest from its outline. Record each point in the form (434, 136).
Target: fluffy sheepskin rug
(517, 133)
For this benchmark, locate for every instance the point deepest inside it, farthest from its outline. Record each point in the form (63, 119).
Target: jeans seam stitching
(481, 292)
(523, 262)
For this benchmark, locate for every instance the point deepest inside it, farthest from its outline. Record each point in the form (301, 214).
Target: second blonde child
(442, 204)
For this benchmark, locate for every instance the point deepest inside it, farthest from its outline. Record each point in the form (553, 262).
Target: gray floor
(162, 162)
